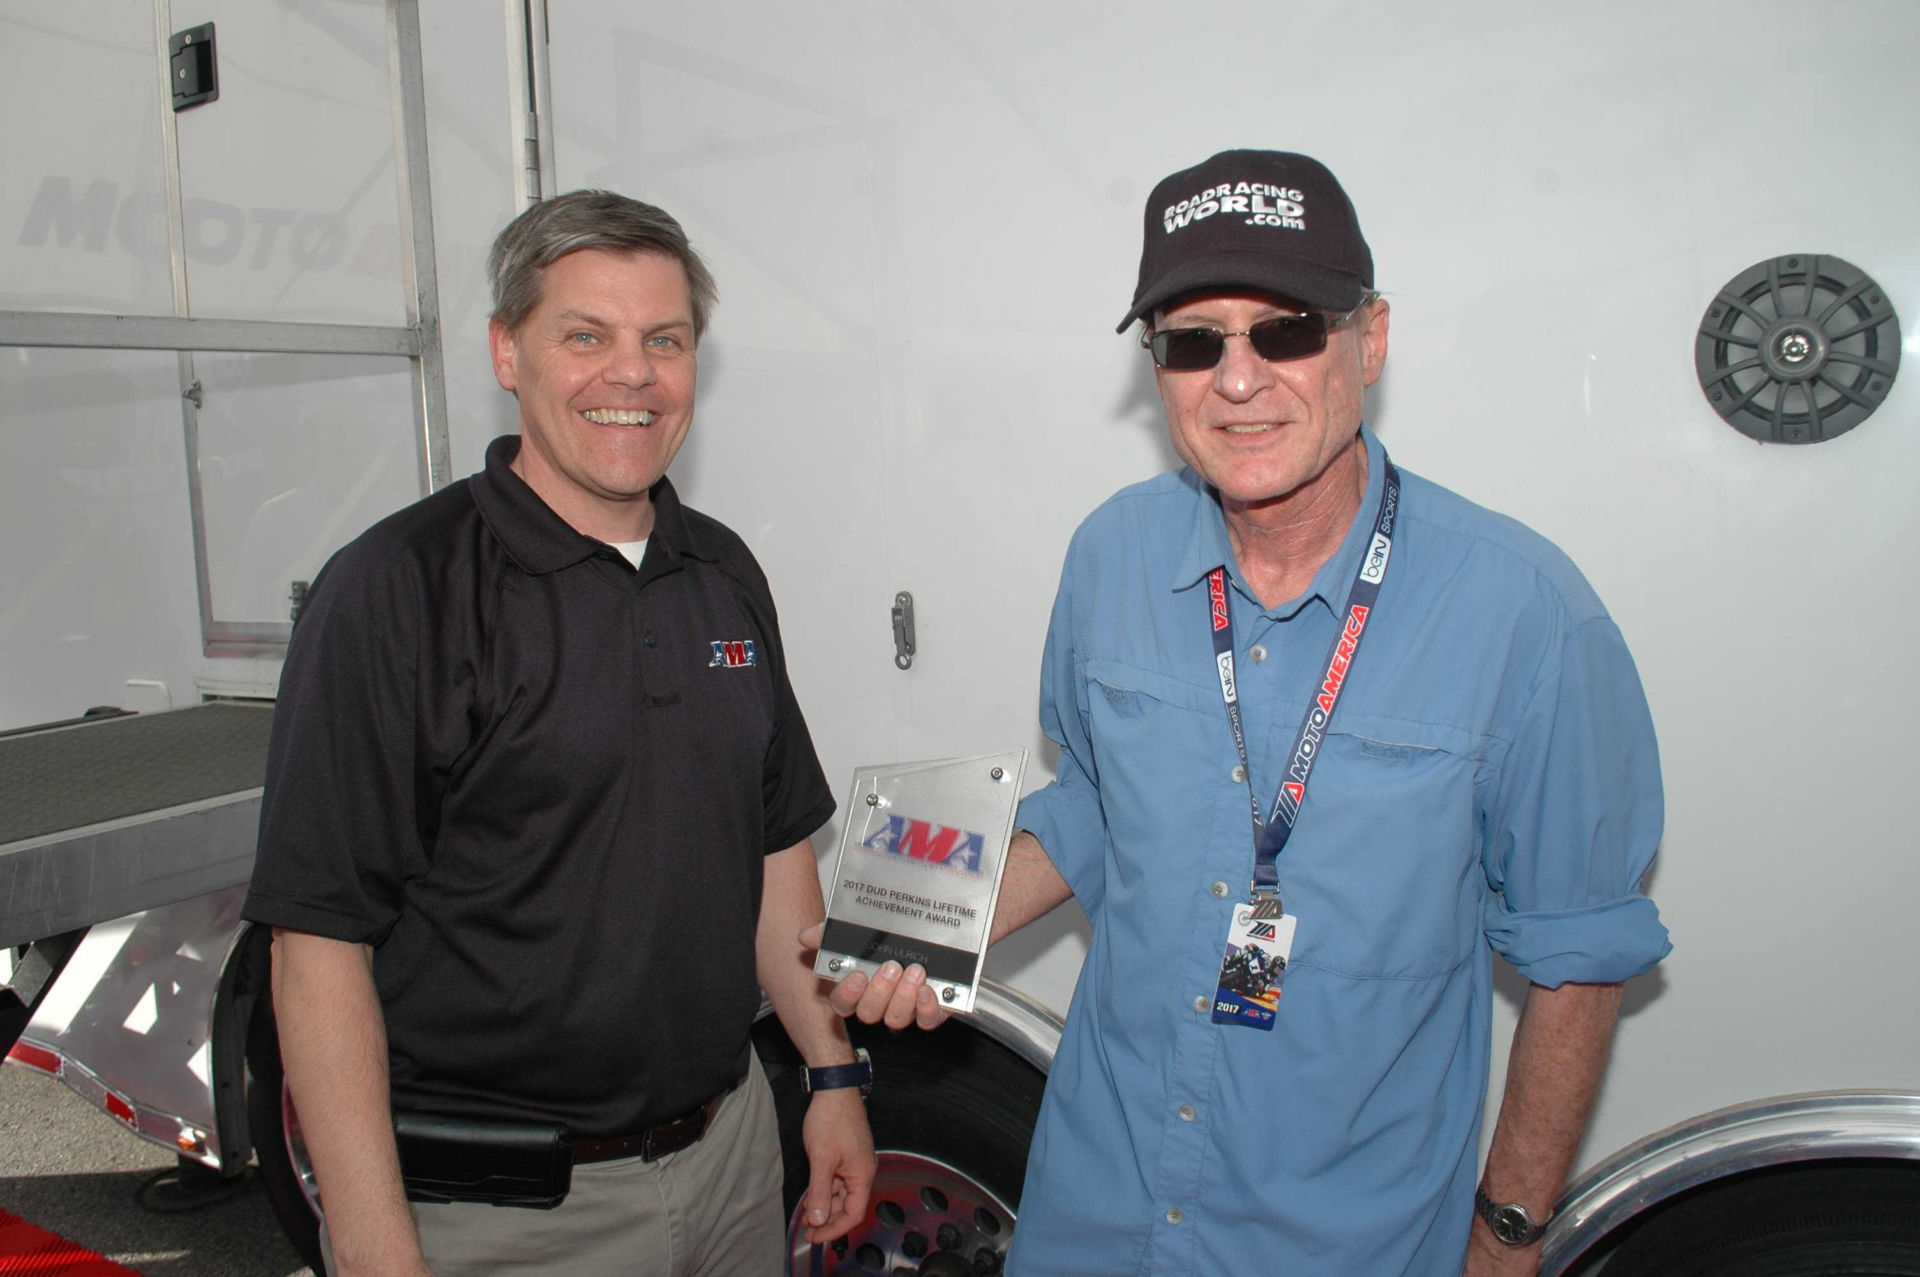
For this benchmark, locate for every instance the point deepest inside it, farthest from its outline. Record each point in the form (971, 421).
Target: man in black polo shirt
(535, 827)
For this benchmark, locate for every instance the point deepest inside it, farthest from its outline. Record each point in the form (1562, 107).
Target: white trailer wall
(96, 551)
(289, 207)
(925, 221)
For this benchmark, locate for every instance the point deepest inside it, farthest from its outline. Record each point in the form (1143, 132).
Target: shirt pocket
(1383, 869)
(1161, 748)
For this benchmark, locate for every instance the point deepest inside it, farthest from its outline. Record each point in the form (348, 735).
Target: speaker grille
(1798, 349)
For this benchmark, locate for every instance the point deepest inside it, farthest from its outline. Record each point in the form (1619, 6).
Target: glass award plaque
(919, 870)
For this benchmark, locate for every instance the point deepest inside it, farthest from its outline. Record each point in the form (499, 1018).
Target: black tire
(266, 1098)
(953, 1095)
(1795, 1221)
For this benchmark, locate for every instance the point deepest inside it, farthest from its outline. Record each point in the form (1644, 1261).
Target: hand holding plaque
(919, 870)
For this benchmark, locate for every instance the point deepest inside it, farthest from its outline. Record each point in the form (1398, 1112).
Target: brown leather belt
(656, 1141)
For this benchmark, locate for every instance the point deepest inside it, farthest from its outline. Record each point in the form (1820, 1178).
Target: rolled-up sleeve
(1066, 816)
(1575, 821)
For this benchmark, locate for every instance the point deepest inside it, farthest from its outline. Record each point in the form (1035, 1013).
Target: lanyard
(1270, 835)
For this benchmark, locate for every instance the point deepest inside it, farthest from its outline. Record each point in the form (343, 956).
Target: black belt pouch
(464, 1159)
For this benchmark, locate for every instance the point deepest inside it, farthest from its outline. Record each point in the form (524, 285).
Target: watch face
(1511, 1224)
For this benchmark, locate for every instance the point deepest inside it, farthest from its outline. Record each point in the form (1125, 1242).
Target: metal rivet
(873, 800)
(948, 994)
(1186, 1112)
(998, 773)
(834, 964)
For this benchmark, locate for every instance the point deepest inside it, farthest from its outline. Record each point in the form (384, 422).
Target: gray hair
(551, 229)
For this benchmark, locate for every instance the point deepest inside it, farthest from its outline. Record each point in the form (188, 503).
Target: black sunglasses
(1275, 340)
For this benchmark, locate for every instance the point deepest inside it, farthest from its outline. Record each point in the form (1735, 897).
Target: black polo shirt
(540, 784)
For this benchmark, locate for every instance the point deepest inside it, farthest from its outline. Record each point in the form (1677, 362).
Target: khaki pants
(712, 1210)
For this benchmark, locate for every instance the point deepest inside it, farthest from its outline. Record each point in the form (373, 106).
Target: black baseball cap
(1269, 221)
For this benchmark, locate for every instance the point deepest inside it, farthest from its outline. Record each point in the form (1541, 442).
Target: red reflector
(35, 1057)
(122, 1110)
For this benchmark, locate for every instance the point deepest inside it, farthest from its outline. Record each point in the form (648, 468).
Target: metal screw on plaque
(998, 773)
(834, 964)
(873, 800)
(948, 994)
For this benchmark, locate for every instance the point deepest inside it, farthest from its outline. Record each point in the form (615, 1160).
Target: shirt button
(1239, 774)
(1220, 890)
(1257, 654)
(1173, 1215)
(647, 638)
(1186, 1112)
(1201, 1003)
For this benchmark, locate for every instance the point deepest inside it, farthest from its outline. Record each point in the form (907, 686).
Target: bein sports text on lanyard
(1270, 836)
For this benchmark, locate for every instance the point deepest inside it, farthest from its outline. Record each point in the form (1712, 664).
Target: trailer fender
(1874, 1131)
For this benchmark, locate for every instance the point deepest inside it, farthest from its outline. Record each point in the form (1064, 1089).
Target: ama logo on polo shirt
(731, 653)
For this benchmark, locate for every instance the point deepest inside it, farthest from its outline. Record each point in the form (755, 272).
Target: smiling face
(1265, 433)
(604, 368)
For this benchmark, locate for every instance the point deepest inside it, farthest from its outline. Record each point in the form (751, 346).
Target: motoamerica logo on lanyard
(1260, 937)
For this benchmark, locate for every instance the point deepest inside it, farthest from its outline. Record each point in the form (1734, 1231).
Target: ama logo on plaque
(937, 845)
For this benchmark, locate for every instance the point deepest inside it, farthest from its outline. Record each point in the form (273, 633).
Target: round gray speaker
(1798, 349)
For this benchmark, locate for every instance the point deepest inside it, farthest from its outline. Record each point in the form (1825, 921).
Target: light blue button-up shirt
(1489, 781)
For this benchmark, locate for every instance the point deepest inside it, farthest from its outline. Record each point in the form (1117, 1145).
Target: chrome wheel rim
(920, 1207)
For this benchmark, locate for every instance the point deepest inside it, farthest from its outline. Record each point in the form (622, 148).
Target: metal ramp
(103, 818)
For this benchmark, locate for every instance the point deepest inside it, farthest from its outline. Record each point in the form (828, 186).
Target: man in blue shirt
(1323, 714)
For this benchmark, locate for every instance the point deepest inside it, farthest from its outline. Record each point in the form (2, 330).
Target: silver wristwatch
(1511, 1222)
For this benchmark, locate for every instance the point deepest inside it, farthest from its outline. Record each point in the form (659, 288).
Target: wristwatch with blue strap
(839, 1076)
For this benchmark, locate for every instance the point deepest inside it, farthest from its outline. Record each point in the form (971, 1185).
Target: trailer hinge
(531, 160)
(905, 642)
